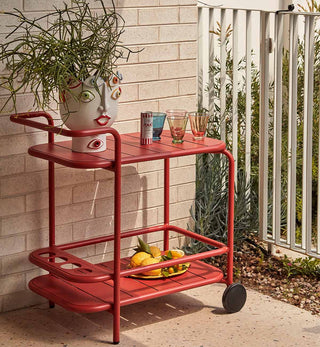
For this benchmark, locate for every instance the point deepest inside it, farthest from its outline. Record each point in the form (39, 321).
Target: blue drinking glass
(158, 122)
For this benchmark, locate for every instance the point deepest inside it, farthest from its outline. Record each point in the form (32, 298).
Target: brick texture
(161, 76)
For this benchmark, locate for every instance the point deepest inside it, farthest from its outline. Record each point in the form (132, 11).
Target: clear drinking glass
(158, 122)
(177, 120)
(198, 123)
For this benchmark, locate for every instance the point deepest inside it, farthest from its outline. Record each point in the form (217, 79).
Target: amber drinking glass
(198, 124)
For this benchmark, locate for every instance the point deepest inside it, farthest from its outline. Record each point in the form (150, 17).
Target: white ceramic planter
(91, 104)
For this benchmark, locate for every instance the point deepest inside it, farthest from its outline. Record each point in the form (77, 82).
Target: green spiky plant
(73, 44)
(209, 212)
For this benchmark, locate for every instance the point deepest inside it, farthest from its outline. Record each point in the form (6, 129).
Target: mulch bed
(266, 274)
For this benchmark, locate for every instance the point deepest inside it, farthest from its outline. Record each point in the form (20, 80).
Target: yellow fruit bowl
(151, 277)
(143, 259)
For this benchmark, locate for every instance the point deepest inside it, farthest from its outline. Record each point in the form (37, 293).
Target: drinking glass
(177, 120)
(198, 123)
(158, 122)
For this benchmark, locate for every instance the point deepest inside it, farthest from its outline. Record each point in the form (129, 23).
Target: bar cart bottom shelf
(98, 296)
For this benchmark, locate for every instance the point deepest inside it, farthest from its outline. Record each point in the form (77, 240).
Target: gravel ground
(267, 275)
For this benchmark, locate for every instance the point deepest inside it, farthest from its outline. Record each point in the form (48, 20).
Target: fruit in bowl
(147, 255)
(155, 251)
(149, 261)
(173, 254)
(138, 258)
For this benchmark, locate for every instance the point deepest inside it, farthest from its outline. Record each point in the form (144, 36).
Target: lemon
(138, 258)
(149, 261)
(176, 253)
(155, 251)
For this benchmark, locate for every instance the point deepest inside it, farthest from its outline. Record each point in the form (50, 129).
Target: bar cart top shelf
(131, 151)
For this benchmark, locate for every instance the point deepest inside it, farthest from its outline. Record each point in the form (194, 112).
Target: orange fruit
(149, 261)
(178, 268)
(176, 253)
(171, 270)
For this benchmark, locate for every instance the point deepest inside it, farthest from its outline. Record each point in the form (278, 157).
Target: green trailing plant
(44, 55)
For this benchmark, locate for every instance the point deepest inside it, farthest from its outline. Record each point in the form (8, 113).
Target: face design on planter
(91, 104)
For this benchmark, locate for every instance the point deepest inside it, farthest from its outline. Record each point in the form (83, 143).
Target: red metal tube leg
(52, 212)
(52, 233)
(117, 239)
(166, 200)
(230, 217)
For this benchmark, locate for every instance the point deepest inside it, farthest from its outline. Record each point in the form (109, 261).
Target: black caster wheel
(234, 297)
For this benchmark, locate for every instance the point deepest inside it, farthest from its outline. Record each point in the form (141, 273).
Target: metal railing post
(264, 122)
(277, 129)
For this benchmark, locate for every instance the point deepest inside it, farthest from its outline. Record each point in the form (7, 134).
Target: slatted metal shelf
(94, 297)
(131, 151)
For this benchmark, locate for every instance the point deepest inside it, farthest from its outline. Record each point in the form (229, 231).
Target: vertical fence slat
(277, 130)
(235, 81)
(200, 57)
(206, 57)
(307, 140)
(318, 202)
(263, 121)
(203, 58)
(307, 135)
(211, 60)
(311, 88)
(248, 97)
(223, 75)
(292, 131)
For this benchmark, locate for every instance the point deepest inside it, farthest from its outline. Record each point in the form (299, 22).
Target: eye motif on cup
(116, 93)
(95, 144)
(114, 80)
(86, 96)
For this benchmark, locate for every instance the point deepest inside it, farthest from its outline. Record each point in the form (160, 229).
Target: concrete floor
(194, 318)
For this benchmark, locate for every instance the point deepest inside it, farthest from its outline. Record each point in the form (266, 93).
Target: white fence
(289, 162)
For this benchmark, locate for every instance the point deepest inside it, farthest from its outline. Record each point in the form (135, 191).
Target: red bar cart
(87, 287)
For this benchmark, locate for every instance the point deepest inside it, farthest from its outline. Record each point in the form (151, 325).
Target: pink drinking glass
(177, 120)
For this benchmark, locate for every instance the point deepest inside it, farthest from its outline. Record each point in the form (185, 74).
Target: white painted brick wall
(161, 76)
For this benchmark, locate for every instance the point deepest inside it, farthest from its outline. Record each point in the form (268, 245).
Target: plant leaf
(143, 246)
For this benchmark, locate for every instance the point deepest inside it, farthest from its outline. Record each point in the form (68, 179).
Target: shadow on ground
(59, 327)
